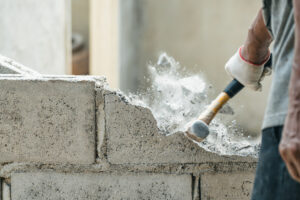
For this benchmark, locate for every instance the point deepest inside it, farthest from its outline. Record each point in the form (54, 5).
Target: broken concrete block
(9, 66)
(133, 138)
(47, 120)
(233, 186)
(36, 186)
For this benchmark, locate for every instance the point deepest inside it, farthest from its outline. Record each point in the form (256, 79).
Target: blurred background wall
(80, 19)
(80, 36)
(104, 39)
(37, 34)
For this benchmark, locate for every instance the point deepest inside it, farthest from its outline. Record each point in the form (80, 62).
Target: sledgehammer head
(198, 131)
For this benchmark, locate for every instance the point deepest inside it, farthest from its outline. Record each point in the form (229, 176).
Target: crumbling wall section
(9, 66)
(67, 137)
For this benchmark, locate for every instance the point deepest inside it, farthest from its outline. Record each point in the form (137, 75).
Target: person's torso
(279, 18)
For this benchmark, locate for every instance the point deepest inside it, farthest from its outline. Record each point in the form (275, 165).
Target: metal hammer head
(198, 131)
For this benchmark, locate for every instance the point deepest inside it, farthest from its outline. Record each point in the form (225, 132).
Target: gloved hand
(249, 74)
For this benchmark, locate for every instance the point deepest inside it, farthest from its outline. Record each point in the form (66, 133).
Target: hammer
(199, 130)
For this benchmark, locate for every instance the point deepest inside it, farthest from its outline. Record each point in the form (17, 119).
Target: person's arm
(247, 64)
(256, 46)
(290, 143)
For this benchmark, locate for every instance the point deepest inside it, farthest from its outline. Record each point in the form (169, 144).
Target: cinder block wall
(67, 137)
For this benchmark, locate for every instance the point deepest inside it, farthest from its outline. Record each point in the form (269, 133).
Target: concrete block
(235, 186)
(47, 120)
(53, 186)
(133, 138)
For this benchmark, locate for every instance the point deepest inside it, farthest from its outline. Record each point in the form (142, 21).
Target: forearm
(256, 46)
(290, 141)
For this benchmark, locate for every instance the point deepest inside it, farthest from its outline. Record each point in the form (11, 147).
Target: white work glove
(249, 74)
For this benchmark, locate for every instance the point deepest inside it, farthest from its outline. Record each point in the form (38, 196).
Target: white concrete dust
(177, 97)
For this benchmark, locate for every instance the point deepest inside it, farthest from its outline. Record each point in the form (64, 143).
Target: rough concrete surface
(53, 186)
(232, 186)
(49, 121)
(133, 138)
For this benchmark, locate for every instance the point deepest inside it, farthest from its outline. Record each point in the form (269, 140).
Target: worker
(278, 170)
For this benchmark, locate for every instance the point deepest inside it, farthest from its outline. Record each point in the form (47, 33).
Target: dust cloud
(177, 97)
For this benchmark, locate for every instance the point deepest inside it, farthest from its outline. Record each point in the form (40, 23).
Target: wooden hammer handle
(210, 112)
(230, 91)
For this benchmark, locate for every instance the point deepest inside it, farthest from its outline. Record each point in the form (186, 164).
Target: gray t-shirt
(279, 18)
